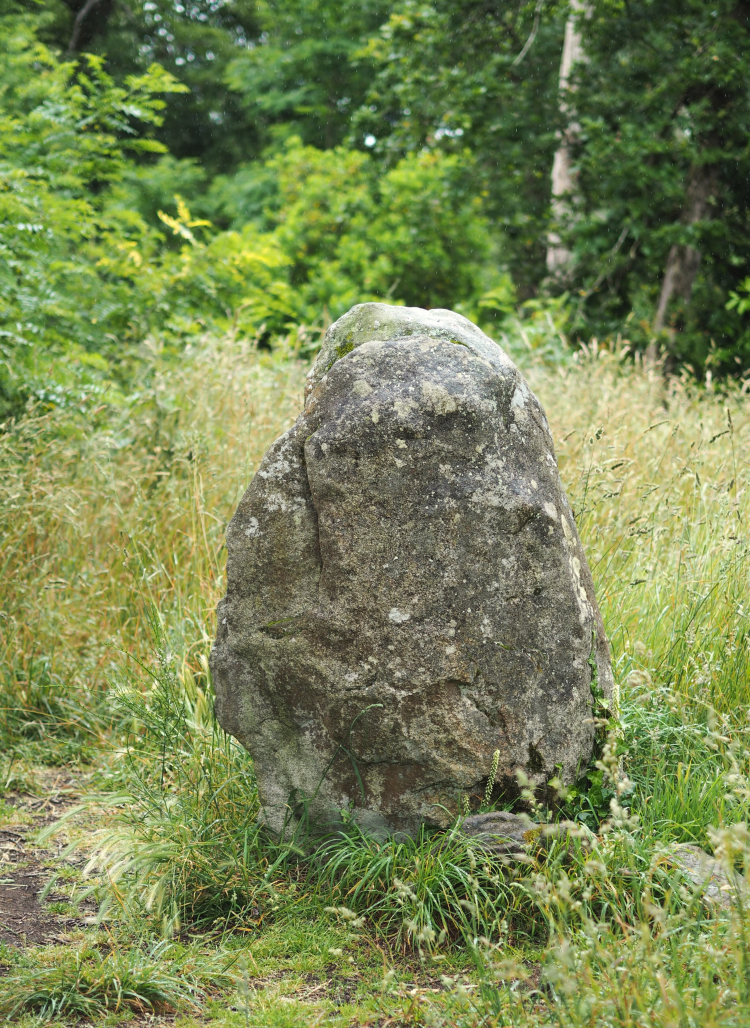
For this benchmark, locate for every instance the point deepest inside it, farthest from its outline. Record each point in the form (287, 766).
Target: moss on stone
(341, 350)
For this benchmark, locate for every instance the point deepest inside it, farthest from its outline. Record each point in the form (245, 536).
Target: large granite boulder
(406, 589)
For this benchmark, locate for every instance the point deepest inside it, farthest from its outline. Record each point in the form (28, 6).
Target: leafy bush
(86, 274)
(414, 234)
(84, 278)
(64, 134)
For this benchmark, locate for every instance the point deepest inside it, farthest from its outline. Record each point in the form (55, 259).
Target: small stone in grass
(707, 874)
(504, 834)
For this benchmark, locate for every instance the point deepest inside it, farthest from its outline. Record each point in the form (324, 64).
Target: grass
(111, 542)
(82, 981)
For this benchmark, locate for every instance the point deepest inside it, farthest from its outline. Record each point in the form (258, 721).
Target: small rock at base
(706, 873)
(502, 833)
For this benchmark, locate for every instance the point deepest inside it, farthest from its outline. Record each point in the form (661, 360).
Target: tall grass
(106, 515)
(186, 841)
(102, 525)
(654, 471)
(83, 982)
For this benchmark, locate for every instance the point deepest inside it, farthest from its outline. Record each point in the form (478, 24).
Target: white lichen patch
(361, 387)
(518, 400)
(280, 468)
(404, 407)
(252, 528)
(399, 616)
(584, 607)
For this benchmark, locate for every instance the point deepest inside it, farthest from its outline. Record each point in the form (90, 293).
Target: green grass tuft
(85, 982)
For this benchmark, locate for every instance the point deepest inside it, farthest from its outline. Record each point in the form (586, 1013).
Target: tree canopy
(171, 167)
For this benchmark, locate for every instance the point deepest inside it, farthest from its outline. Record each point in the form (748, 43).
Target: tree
(664, 169)
(413, 235)
(300, 79)
(481, 74)
(195, 40)
(563, 175)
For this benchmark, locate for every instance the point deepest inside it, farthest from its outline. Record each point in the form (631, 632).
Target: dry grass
(99, 525)
(656, 475)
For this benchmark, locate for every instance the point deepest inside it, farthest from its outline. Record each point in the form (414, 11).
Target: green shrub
(64, 135)
(413, 234)
(84, 278)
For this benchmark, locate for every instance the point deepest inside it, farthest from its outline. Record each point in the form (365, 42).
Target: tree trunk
(683, 261)
(563, 178)
(76, 41)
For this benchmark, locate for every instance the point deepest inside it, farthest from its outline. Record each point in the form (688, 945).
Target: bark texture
(406, 589)
(683, 261)
(563, 179)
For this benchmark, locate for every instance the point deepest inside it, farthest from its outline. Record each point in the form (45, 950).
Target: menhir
(406, 589)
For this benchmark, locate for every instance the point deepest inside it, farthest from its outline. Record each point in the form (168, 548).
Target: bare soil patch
(25, 869)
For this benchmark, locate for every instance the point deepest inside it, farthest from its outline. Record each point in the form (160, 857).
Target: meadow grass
(112, 551)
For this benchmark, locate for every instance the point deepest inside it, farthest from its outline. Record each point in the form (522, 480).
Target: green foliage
(86, 275)
(196, 41)
(253, 71)
(414, 235)
(451, 76)
(663, 98)
(302, 79)
(83, 277)
(659, 111)
(63, 136)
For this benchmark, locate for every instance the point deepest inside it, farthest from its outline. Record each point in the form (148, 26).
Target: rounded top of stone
(371, 322)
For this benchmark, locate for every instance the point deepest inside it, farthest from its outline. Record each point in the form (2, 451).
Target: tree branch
(532, 37)
(78, 23)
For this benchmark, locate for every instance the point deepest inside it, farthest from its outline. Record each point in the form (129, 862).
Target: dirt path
(25, 869)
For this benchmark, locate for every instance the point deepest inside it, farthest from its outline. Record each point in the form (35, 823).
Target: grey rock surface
(707, 875)
(503, 833)
(406, 589)
(500, 832)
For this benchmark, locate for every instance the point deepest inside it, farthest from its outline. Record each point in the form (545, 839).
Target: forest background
(168, 169)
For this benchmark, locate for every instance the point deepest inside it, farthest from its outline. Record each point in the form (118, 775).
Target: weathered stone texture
(407, 543)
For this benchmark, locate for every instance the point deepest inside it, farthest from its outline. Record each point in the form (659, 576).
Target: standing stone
(406, 589)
